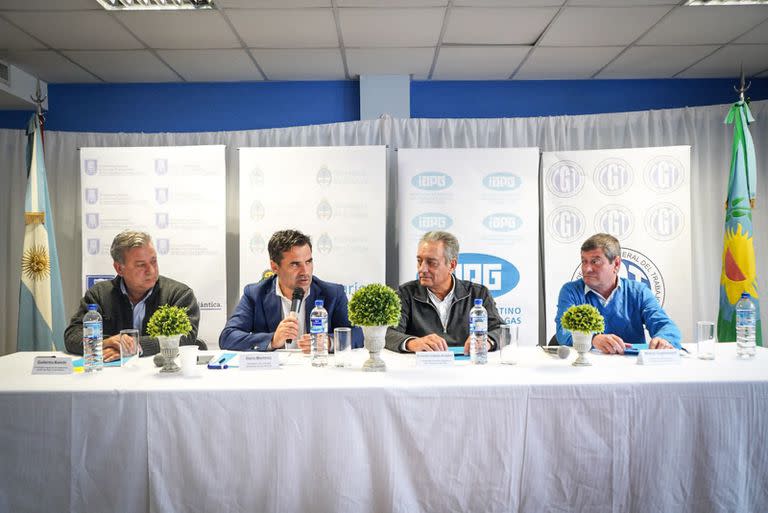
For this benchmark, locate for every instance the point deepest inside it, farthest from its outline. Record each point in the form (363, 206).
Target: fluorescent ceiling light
(699, 3)
(154, 5)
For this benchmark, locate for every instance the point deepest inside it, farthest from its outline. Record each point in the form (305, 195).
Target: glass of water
(705, 340)
(342, 343)
(129, 346)
(508, 344)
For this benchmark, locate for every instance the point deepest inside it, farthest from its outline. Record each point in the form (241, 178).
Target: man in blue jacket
(263, 320)
(626, 305)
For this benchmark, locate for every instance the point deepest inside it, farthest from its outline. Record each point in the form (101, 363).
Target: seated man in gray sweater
(434, 312)
(130, 299)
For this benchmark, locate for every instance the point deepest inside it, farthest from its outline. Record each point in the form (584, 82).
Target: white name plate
(434, 359)
(658, 357)
(52, 365)
(259, 361)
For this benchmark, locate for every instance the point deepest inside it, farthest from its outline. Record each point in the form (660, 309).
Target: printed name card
(52, 365)
(658, 357)
(434, 359)
(259, 361)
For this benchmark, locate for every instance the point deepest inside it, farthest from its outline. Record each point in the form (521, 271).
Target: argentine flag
(41, 304)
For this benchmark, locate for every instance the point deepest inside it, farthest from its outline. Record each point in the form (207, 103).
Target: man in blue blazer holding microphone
(265, 320)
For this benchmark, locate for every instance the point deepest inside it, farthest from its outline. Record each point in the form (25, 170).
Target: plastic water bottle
(93, 359)
(478, 331)
(318, 332)
(746, 322)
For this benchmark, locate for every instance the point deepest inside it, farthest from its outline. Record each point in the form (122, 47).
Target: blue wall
(203, 107)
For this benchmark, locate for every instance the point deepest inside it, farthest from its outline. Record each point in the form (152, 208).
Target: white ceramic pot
(582, 343)
(374, 343)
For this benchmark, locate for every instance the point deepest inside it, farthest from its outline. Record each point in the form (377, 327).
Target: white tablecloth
(535, 437)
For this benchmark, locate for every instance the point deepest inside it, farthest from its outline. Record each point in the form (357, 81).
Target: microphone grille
(298, 293)
(563, 352)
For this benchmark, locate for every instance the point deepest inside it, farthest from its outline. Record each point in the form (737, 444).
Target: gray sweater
(117, 313)
(419, 317)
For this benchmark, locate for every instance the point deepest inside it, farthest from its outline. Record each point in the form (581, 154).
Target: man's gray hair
(125, 240)
(608, 243)
(450, 243)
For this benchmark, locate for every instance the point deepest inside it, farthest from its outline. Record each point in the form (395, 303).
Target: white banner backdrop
(488, 198)
(642, 197)
(336, 195)
(177, 195)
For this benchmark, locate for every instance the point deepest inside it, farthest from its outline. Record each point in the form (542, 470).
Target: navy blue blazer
(254, 321)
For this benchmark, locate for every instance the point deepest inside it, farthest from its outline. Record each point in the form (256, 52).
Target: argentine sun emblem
(35, 263)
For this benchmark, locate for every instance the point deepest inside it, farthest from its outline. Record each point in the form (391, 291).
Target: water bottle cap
(318, 302)
(93, 307)
(745, 295)
(478, 302)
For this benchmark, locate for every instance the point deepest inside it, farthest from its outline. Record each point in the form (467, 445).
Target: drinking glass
(342, 342)
(705, 340)
(129, 347)
(508, 343)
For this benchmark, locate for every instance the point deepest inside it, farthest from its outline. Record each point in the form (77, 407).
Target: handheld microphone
(298, 295)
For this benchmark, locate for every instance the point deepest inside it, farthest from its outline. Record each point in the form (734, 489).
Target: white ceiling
(240, 40)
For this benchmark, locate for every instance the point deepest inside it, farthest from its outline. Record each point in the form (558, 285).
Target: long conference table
(539, 436)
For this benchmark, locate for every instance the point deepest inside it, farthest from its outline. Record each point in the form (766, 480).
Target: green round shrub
(374, 305)
(168, 321)
(583, 318)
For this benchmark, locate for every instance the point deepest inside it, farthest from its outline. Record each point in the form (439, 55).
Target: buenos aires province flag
(41, 304)
(739, 269)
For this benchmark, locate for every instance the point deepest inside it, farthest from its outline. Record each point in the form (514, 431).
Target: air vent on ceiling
(5, 73)
(154, 5)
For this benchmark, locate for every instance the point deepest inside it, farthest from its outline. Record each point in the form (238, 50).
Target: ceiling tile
(286, 28)
(14, 39)
(301, 64)
(49, 5)
(366, 28)
(260, 4)
(497, 25)
(587, 26)
(124, 66)
(180, 29)
(89, 30)
(390, 61)
(211, 65)
(726, 62)
(758, 35)
(566, 63)
(478, 63)
(655, 61)
(48, 66)
(705, 25)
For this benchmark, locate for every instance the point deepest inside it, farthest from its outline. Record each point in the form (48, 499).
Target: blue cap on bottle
(745, 294)
(93, 307)
(318, 302)
(478, 302)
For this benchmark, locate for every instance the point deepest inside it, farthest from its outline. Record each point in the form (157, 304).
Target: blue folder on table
(635, 349)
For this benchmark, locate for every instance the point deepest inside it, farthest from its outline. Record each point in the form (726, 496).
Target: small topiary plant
(374, 305)
(583, 318)
(168, 321)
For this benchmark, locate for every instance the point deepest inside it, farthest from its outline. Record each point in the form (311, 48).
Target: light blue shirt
(139, 309)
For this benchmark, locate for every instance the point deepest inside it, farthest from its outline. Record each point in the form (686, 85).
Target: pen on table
(223, 359)
(684, 349)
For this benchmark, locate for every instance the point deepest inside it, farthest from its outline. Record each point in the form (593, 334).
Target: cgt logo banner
(641, 196)
(487, 198)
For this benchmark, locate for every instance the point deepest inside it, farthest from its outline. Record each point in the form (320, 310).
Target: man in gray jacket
(435, 308)
(130, 299)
